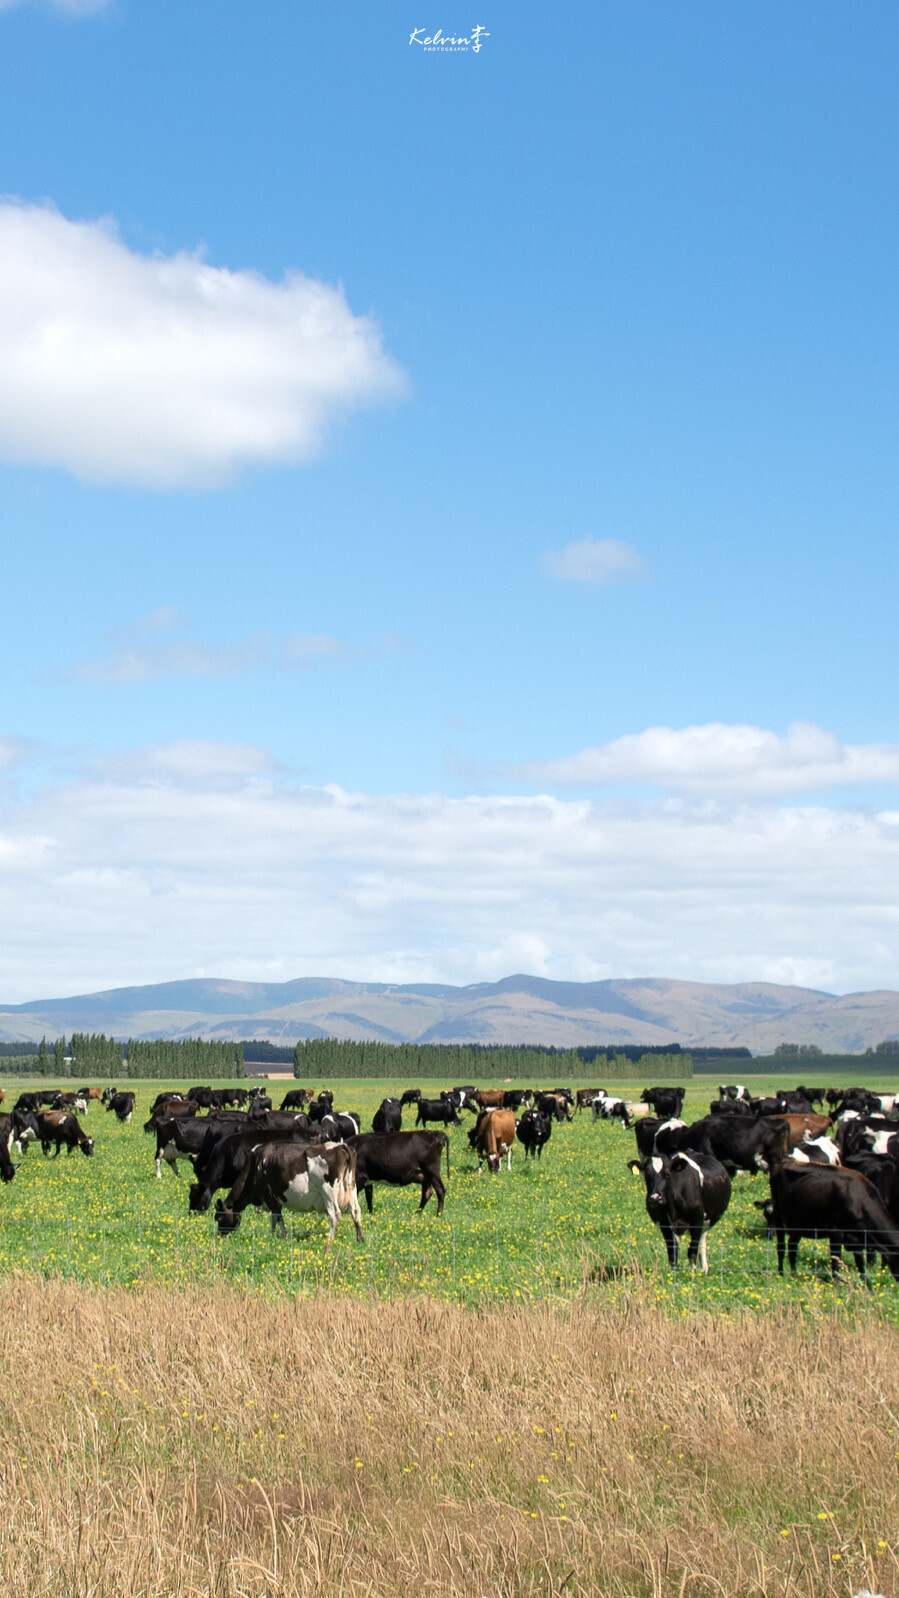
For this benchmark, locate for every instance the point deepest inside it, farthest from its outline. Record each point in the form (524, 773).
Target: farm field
(510, 1402)
(571, 1225)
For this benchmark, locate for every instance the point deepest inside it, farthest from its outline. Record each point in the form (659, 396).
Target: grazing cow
(747, 1145)
(495, 1137)
(557, 1105)
(733, 1090)
(533, 1130)
(91, 1094)
(688, 1192)
(122, 1104)
(841, 1206)
(811, 1095)
(584, 1097)
(609, 1109)
(388, 1117)
(734, 1107)
(58, 1126)
(399, 1158)
(296, 1099)
(179, 1138)
(411, 1096)
(514, 1098)
(463, 1095)
(277, 1176)
(667, 1102)
(260, 1104)
(70, 1101)
(437, 1110)
(28, 1101)
(224, 1154)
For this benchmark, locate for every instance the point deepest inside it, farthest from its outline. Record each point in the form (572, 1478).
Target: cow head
(655, 1172)
(226, 1220)
(86, 1145)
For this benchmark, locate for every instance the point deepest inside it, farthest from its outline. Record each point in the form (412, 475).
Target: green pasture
(572, 1223)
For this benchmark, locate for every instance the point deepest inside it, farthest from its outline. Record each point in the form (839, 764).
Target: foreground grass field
(572, 1225)
(197, 1441)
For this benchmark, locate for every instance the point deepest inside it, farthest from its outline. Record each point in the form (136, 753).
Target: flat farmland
(572, 1224)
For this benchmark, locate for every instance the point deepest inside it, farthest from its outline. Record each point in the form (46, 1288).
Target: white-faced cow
(686, 1193)
(495, 1135)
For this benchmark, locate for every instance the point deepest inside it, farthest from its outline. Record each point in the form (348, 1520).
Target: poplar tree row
(94, 1054)
(451, 1064)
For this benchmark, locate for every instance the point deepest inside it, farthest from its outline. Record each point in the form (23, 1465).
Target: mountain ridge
(515, 1009)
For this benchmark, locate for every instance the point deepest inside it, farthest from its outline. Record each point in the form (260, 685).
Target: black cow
(733, 1107)
(337, 1127)
(400, 1158)
(411, 1096)
(296, 1099)
(7, 1169)
(59, 1127)
(514, 1098)
(280, 1176)
(688, 1192)
(882, 1173)
(554, 1104)
(667, 1102)
(122, 1104)
(260, 1104)
(437, 1110)
(388, 1117)
(533, 1130)
(180, 1138)
(839, 1205)
(746, 1145)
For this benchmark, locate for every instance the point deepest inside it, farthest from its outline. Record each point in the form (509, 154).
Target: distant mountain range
(519, 1009)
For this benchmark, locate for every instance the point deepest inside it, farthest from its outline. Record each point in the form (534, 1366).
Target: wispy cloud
(719, 758)
(16, 751)
(144, 662)
(189, 857)
(595, 560)
(73, 8)
(164, 371)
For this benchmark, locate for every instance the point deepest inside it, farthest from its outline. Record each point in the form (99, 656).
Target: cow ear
(636, 1165)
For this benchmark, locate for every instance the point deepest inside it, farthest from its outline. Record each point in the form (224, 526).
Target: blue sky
(503, 439)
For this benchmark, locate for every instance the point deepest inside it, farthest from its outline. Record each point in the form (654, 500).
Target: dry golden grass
(212, 1443)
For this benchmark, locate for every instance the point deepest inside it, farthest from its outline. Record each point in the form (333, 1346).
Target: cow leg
(704, 1251)
(369, 1192)
(792, 1251)
(781, 1238)
(438, 1188)
(509, 1158)
(670, 1237)
(356, 1213)
(158, 1167)
(277, 1220)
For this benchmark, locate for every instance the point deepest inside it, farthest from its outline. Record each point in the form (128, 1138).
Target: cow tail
(347, 1180)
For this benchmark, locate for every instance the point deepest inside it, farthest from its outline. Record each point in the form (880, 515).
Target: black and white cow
(733, 1090)
(687, 1192)
(312, 1177)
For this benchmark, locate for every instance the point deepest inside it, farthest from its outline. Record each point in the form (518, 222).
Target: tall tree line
(450, 1063)
(95, 1055)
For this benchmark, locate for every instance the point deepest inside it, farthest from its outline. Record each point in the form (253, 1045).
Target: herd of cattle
(833, 1174)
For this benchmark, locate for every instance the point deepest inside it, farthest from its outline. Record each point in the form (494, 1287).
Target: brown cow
(489, 1098)
(798, 1125)
(495, 1136)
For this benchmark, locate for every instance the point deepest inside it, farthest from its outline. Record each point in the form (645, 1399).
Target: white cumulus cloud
(194, 858)
(595, 560)
(163, 371)
(719, 758)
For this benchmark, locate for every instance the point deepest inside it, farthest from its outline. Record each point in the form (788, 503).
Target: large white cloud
(720, 758)
(162, 370)
(202, 859)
